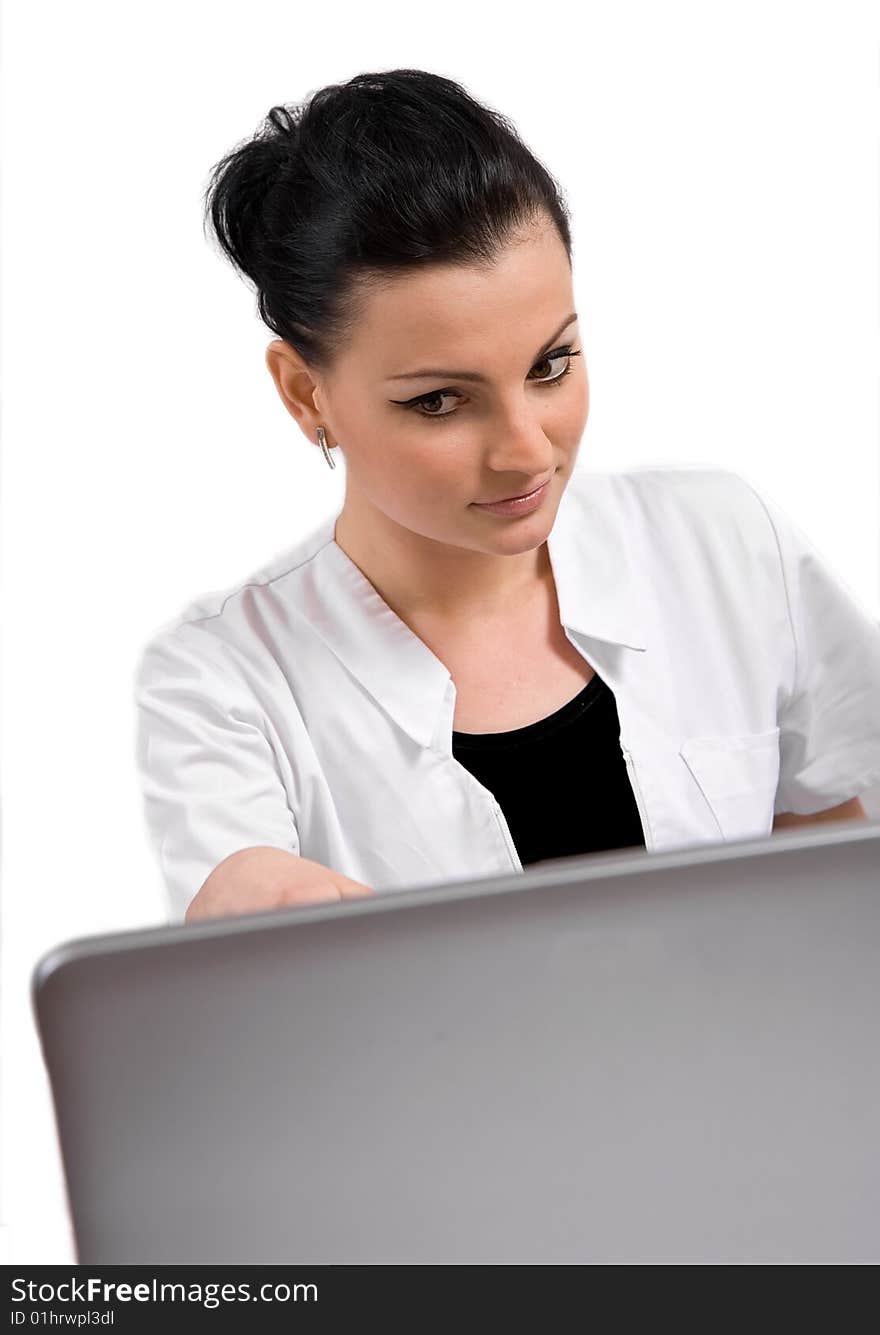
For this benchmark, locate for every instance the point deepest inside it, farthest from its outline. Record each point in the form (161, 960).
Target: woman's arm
(851, 810)
(256, 879)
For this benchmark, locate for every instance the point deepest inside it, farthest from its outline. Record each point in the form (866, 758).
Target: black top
(561, 782)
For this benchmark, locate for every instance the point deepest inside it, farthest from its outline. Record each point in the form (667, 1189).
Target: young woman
(489, 657)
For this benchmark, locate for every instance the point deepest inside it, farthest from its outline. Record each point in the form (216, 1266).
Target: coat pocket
(737, 775)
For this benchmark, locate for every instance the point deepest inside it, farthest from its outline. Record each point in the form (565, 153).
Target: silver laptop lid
(626, 1057)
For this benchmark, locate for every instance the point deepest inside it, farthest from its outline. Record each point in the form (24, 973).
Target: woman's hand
(255, 879)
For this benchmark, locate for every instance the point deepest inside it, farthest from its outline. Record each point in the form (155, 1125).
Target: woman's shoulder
(213, 603)
(667, 500)
(672, 479)
(213, 622)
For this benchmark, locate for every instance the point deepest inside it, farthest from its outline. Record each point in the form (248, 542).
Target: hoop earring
(322, 441)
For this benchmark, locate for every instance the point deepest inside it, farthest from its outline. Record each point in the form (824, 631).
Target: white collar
(596, 587)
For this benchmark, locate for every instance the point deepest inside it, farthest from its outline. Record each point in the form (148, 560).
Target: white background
(721, 162)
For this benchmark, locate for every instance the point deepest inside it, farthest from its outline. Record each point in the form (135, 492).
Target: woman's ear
(295, 384)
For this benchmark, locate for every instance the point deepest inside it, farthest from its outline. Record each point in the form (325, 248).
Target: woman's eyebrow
(472, 375)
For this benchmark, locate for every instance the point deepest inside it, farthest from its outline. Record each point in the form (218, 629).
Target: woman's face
(423, 441)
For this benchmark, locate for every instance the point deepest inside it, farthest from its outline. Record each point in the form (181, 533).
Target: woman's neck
(421, 578)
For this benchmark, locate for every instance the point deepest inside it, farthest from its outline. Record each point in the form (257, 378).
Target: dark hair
(366, 178)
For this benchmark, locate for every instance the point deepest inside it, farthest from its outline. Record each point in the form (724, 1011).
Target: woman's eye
(426, 404)
(431, 399)
(560, 355)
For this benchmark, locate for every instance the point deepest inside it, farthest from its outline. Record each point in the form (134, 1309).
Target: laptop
(615, 1058)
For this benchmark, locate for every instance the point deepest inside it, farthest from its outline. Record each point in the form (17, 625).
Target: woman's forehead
(448, 310)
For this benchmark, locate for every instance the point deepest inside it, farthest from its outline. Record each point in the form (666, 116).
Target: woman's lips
(519, 505)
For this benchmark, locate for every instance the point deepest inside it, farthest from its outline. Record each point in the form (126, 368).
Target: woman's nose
(518, 442)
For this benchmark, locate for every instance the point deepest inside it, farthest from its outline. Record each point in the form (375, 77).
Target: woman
(443, 682)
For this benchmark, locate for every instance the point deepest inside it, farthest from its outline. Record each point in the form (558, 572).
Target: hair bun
(284, 120)
(381, 174)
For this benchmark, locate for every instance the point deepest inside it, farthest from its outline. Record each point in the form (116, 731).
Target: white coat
(297, 710)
